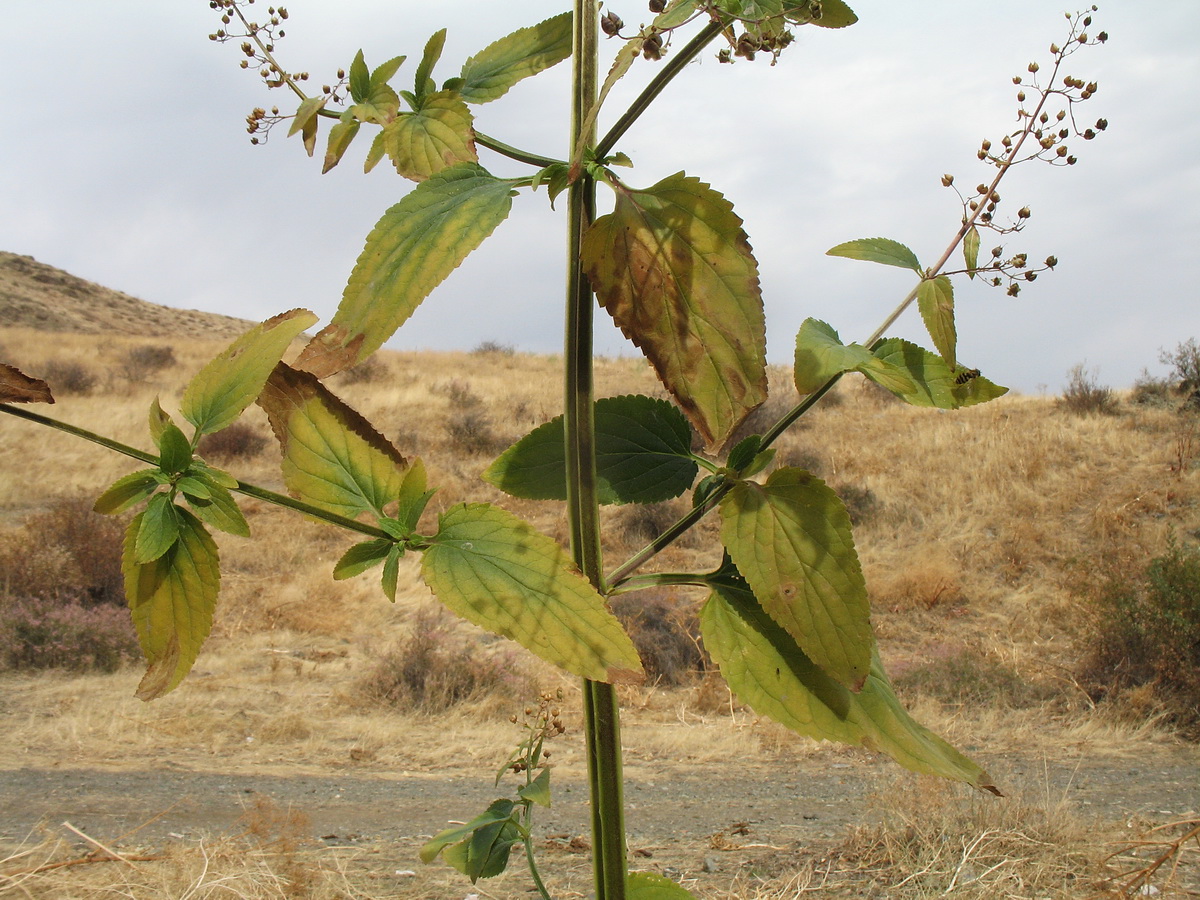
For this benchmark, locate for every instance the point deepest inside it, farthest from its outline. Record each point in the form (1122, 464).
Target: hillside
(35, 295)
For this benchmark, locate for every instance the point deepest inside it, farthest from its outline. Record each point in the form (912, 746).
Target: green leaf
(391, 571)
(935, 384)
(643, 455)
(309, 109)
(213, 474)
(220, 510)
(332, 457)
(360, 79)
(766, 669)
(340, 136)
(223, 389)
(835, 14)
(175, 450)
(538, 790)
(159, 529)
(556, 177)
(652, 886)
(438, 135)
(820, 355)
(158, 421)
(673, 267)
(489, 74)
(790, 538)
(126, 491)
(971, 250)
(413, 497)
(676, 14)
(433, 52)
(935, 299)
(479, 849)
(384, 73)
(879, 250)
(497, 571)
(194, 487)
(412, 249)
(625, 58)
(172, 601)
(361, 557)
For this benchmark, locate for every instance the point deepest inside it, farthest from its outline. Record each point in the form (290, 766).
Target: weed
(666, 633)
(142, 362)
(65, 377)
(1084, 394)
(238, 441)
(1147, 636)
(60, 633)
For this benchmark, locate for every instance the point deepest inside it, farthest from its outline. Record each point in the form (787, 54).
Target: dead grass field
(980, 532)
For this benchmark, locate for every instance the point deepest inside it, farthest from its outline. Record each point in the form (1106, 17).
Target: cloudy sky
(124, 160)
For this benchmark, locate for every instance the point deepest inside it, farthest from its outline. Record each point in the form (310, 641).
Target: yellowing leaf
(790, 538)
(433, 138)
(820, 354)
(652, 886)
(935, 383)
(332, 457)
(971, 250)
(223, 389)
(878, 250)
(489, 74)
(412, 249)
(172, 601)
(499, 572)
(674, 269)
(766, 669)
(935, 299)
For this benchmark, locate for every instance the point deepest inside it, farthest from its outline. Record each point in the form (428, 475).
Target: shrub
(1184, 361)
(1084, 394)
(860, 502)
(640, 523)
(67, 550)
(963, 678)
(1147, 634)
(369, 371)
(470, 431)
(53, 632)
(666, 632)
(495, 348)
(142, 362)
(1151, 391)
(238, 441)
(66, 377)
(435, 669)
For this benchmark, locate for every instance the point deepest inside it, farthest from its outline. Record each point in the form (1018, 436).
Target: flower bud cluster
(543, 723)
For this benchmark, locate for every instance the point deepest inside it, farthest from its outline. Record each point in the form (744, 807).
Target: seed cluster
(1042, 136)
(542, 724)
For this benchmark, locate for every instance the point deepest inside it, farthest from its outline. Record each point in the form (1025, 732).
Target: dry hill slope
(35, 295)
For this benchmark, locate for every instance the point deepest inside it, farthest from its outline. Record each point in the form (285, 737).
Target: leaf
(391, 571)
(791, 539)
(193, 487)
(340, 136)
(223, 389)
(385, 72)
(125, 492)
(172, 601)
(412, 249)
(159, 529)
(433, 52)
(361, 557)
(767, 670)
(479, 849)
(360, 79)
(935, 299)
(674, 269)
(332, 457)
(17, 387)
(497, 571)
(489, 74)
(643, 455)
(879, 250)
(820, 355)
(835, 14)
(971, 250)
(438, 135)
(220, 511)
(538, 790)
(935, 383)
(413, 497)
(158, 420)
(175, 450)
(652, 886)
(309, 109)
(624, 60)
(677, 13)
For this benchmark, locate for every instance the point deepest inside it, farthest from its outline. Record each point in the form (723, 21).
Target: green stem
(601, 715)
(250, 490)
(670, 69)
(533, 869)
(516, 153)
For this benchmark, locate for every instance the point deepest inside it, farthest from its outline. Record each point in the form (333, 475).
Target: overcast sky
(124, 160)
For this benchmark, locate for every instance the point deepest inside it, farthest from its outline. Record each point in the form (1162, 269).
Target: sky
(124, 160)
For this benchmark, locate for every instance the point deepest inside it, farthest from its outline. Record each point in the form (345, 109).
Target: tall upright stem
(601, 716)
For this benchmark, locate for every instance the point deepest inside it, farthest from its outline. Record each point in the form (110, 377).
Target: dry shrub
(1145, 638)
(470, 431)
(239, 441)
(370, 371)
(640, 523)
(965, 678)
(666, 632)
(860, 502)
(1084, 394)
(142, 362)
(437, 668)
(61, 633)
(68, 377)
(494, 348)
(68, 550)
(929, 578)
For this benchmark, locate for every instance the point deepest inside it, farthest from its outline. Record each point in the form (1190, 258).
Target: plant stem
(601, 715)
(516, 153)
(250, 490)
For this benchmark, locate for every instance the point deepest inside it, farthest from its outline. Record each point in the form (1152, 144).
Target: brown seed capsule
(610, 23)
(1051, 261)
(947, 180)
(657, 6)
(1024, 212)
